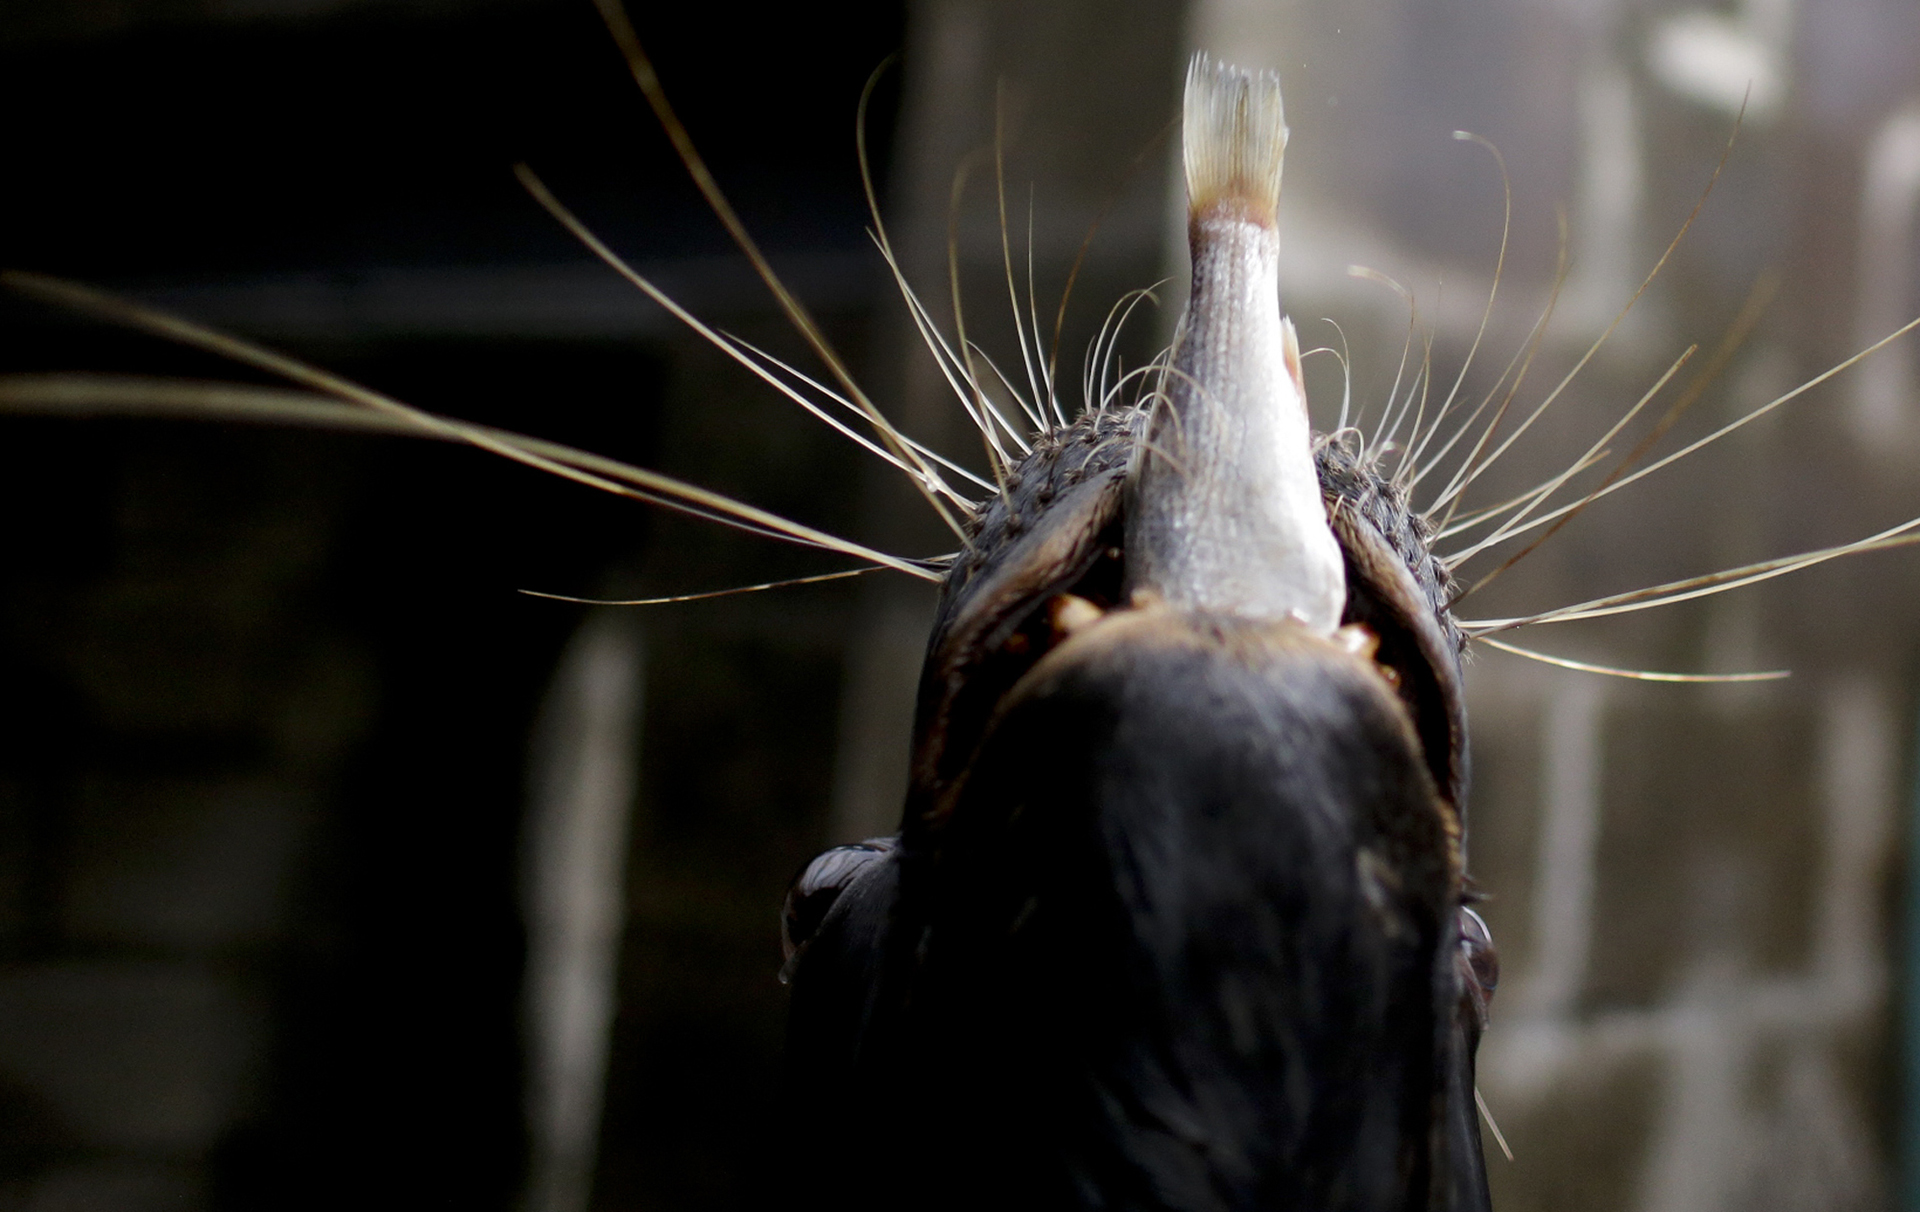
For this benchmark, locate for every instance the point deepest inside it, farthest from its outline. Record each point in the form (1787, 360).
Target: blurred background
(333, 870)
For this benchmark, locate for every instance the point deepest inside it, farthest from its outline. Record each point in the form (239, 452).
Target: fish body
(1227, 513)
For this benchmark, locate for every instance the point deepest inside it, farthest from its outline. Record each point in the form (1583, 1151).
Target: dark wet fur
(1348, 477)
(1097, 445)
(1171, 923)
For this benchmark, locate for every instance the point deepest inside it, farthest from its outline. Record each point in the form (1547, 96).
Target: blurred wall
(1693, 887)
(264, 787)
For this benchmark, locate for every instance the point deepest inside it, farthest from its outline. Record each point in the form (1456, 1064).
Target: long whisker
(984, 407)
(1472, 468)
(746, 351)
(1499, 1137)
(1094, 367)
(1417, 442)
(1730, 343)
(1111, 364)
(1423, 380)
(1426, 383)
(1406, 347)
(1475, 517)
(1517, 366)
(138, 396)
(1052, 398)
(944, 358)
(1607, 333)
(1034, 400)
(364, 411)
(1639, 675)
(1737, 332)
(842, 575)
(1701, 586)
(94, 395)
(1556, 482)
(918, 471)
(1737, 423)
(1094, 358)
(1345, 355)
(956, 468)
(1139, 372)
(614, 14)
(1040, 424)
(1086, 242)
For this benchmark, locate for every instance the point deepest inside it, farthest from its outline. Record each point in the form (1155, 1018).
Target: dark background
(267, 693)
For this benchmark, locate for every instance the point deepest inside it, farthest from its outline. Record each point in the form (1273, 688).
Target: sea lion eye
(1478, 964)
(818, 886)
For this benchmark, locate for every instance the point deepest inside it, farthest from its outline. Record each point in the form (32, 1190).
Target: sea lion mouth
(1399, 593)
(1042, 557)
(1211, 496)
(1050, 557)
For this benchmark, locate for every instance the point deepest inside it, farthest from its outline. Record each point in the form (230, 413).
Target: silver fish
(1226, 512)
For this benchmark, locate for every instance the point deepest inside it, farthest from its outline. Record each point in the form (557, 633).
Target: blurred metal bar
(579, 299)
(1885, 387)
(1907, 1143)
(1571, 766)
(575, 850)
